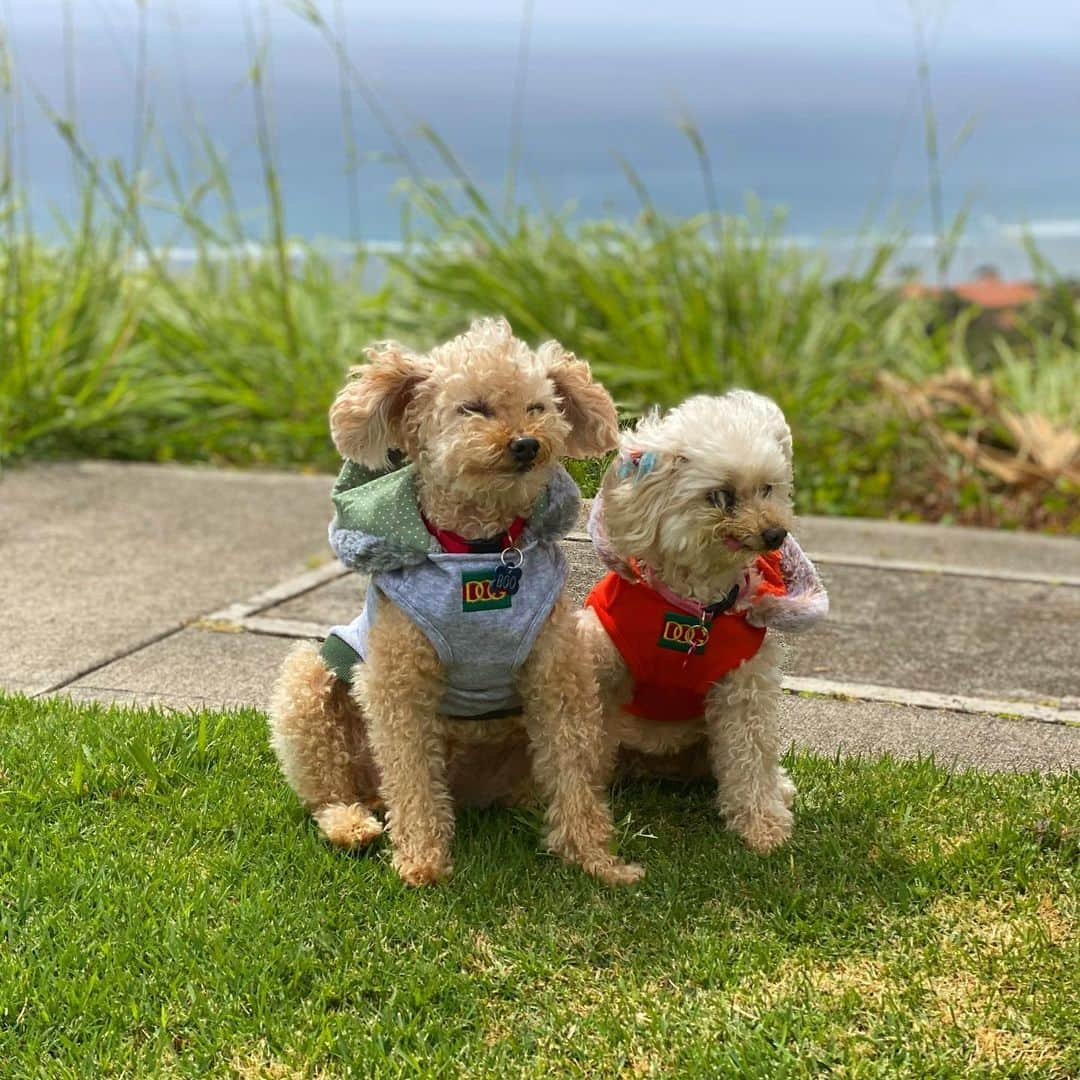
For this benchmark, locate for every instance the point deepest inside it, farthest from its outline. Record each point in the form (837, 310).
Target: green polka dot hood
(377, 525)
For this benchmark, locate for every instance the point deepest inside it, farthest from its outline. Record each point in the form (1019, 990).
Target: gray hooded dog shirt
(481, 633)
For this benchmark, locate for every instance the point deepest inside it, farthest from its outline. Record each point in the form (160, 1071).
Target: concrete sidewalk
(186, 587)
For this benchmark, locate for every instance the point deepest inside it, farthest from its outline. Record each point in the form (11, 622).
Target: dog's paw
(785, 787)
(348, 825)
(763, 828)
(422, 871)
(618, 873)
(607, 868)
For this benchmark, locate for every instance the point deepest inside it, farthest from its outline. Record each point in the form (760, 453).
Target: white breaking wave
(179, 255)
(1050, 229)
(990, 243)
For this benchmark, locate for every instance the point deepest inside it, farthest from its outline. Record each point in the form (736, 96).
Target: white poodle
(693, 519)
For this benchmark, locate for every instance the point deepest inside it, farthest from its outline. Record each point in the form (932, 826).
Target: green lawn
(167, 910)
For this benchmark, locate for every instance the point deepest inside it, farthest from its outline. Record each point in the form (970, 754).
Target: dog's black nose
(524, 450)
(773, 537)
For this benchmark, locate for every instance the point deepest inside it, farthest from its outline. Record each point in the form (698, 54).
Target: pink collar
(647, 577)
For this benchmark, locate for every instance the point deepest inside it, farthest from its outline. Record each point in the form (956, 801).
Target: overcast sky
(812, 104)
(966, 25)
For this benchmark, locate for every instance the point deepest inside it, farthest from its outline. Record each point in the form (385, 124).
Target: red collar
(456, 544)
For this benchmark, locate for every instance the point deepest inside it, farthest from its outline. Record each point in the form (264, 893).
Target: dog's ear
(584, 403)
(365, 419)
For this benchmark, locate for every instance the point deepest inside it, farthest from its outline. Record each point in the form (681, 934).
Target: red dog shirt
(675, 655)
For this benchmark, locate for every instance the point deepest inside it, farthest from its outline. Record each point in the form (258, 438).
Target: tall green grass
(103, 360)
(109, 348)
(665, 308)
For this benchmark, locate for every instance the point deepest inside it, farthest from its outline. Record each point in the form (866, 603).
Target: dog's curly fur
(719, 475)
(347, 754)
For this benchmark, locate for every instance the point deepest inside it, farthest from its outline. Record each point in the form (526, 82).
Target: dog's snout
(773, 537)
(524, 450)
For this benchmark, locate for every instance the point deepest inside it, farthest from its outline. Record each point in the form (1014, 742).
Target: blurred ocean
(830, 131)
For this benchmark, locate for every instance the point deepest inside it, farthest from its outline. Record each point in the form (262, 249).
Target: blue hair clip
(625, 466)
(635, 464)
(646, 464)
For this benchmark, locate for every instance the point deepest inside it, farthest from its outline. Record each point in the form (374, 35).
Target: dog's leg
(755, 793)
(317, 733)
(613, 682)
(565, 724)
(399, 690)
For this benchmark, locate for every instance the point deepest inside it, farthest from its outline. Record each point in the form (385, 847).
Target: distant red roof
(989, 292)
(995, 293)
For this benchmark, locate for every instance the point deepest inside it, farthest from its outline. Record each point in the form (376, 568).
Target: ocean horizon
(1007, 255)
(831, 135)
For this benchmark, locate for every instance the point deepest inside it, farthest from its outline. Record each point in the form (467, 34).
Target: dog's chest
(673, 657)
(481, 621)
(473, 604)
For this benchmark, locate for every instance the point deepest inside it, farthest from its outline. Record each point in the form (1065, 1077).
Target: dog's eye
(475, 408)
(536, 407)
(766, 491)
(722, 499)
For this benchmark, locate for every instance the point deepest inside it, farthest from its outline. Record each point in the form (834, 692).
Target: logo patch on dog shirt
(682, 633)
(478, 592)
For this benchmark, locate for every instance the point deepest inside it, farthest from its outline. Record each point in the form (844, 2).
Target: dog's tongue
(732, 544)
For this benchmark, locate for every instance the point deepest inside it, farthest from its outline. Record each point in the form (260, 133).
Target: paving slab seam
(947, 569)
(226, 619)
(111, 658)
(291, 628)
(908, 566)
(929, 699)
(924, 699)
(222, 622)
(289, 589)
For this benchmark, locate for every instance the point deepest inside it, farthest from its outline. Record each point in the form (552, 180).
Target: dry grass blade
(965, 413)
(1054, 449)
